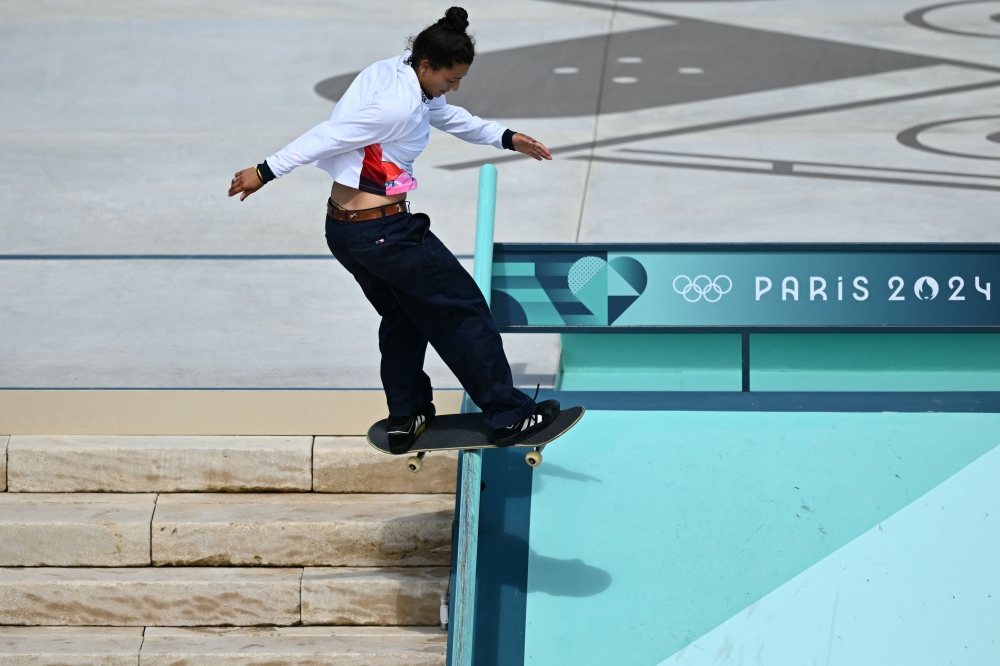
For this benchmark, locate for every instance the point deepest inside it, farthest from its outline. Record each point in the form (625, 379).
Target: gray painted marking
(635, 11)
(522, 82)
(783, 168)
(767, 160)
(625, 9)
(834, 171)
(918, 17)
(737, 122)
(911, 138)
(787, 169)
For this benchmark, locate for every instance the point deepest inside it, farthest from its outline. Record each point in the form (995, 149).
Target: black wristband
(265, 173)
(507, 140)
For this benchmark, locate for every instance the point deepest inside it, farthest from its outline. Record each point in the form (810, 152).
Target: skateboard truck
(533, 458)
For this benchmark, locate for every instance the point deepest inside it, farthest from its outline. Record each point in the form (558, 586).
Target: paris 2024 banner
(564, 286)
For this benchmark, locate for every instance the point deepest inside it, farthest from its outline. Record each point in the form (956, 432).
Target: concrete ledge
(4, 439)
(299, 529)
(351, 465)
(406, 596)
(159, 464)
(301, 646)
(75, 529)
(190, 596)
(198, 412)
(70, 646)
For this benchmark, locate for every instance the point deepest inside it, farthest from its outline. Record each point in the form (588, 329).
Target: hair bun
(455, 19)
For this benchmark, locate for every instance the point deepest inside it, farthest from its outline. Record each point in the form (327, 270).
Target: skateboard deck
(457, 432)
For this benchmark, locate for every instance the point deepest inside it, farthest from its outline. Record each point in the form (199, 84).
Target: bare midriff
(353, 199)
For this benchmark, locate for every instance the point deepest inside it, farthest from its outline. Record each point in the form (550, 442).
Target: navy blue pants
(425, 295)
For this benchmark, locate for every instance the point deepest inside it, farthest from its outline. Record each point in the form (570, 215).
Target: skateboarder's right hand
(247, 182)
(525, 144)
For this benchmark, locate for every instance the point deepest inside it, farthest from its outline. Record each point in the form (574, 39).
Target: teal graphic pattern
(564, 287)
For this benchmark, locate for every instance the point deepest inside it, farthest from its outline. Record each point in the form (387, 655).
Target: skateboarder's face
(437, 82)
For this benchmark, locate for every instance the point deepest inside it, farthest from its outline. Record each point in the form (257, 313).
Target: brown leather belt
(365, 214)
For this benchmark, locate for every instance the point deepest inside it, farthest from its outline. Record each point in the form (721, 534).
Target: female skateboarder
(416, 284)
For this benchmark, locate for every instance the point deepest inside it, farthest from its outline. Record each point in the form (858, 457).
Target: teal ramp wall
(704, 538)
(875, 362)
(780, 362)
(650, 362)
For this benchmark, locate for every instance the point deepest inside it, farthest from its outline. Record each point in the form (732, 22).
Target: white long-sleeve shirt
(378, 128)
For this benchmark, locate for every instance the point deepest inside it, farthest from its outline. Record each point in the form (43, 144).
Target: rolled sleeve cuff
(265, 173)
(507, 140)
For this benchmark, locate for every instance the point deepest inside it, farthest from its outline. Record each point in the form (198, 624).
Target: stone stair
(220, 550)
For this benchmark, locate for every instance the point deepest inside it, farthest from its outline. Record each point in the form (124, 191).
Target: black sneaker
(404, 430)
(545, 413)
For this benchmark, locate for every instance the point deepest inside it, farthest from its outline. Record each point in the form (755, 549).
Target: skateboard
(459, 432)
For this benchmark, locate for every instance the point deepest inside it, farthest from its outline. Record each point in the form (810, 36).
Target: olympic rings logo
(693, 290)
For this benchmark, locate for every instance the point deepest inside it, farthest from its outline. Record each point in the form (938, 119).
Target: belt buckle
(352, 216)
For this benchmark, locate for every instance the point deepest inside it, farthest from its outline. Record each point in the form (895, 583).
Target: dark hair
(444, 43)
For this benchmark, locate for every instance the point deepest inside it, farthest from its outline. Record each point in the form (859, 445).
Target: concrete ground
(123, 264)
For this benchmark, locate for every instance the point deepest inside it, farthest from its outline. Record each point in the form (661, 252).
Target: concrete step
(351, 465)
(295, 646)
(164, 646)
(187, 596)
(70, 646)
(404, 596)
(75, 529)
(158, 464)
(135, 597)
(292, 529)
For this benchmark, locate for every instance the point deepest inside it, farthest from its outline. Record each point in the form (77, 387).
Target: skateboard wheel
(533, 458)
(415, 464)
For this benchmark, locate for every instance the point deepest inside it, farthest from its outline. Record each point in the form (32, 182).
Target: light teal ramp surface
(652, 530)
(919, 588)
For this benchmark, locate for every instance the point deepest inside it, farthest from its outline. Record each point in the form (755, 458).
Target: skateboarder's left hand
(525, 144)
(245, 181)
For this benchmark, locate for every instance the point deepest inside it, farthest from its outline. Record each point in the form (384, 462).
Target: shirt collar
(410, 76)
